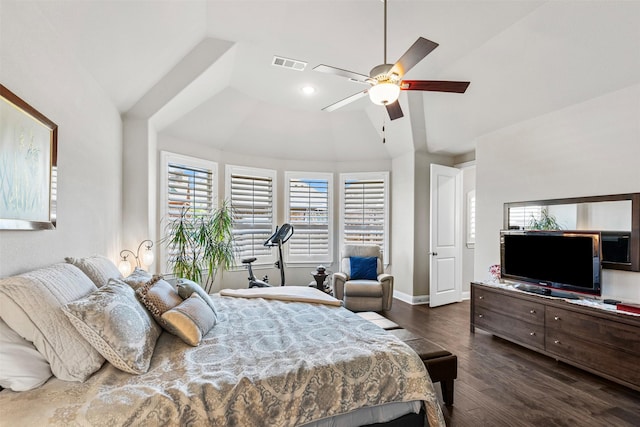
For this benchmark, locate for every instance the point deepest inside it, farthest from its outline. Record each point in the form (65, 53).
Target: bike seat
(249, 260)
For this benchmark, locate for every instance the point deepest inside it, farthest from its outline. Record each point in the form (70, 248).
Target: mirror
(617, 216)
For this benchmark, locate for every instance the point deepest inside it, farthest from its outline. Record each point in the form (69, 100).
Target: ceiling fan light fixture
(384, 93)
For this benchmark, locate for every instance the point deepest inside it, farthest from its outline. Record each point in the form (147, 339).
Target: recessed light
(308, 90)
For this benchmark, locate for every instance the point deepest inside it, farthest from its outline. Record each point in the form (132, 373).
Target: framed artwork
(28, 166)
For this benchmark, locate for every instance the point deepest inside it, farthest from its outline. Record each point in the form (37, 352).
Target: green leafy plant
(201, 242)
(546, 221)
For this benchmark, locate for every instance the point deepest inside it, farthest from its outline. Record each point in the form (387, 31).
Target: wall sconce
(146, 257)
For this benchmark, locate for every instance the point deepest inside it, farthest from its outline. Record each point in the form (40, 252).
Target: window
(364, 219)
(252, 194)
(520, 217)
(309, 210)
(186, 183)
(471, 219)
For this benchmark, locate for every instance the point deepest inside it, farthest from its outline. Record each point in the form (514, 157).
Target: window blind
(252, 204)
(520, 217)
(471, 218)
(188, 188)
(364, 212)
(188, 184)
(309, 213)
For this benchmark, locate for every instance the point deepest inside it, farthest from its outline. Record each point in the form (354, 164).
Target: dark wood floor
(503, 384)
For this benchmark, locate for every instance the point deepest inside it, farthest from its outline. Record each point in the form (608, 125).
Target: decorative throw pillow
(187, 287)
(137, 278)
(191, 320)
(21, 366)
(116, 325)
(158, 296)
(30, 305)
(99, 269)
(364, 268)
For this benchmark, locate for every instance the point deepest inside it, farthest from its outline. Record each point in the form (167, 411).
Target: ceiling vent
(291, 64)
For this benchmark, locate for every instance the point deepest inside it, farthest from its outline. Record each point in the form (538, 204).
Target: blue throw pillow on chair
(364, 268)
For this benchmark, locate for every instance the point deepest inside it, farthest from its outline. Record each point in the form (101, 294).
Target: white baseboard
(411, 299)
(422, 299)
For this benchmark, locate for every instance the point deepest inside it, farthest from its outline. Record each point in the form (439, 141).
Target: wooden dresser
(606, 343)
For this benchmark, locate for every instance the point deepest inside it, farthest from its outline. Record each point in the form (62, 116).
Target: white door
(445, 255)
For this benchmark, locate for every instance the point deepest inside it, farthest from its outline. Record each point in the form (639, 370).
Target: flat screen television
(552, 260)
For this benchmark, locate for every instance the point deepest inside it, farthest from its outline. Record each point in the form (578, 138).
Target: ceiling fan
(386, 79)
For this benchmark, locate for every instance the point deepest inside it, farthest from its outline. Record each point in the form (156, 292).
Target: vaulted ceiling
(205, 67)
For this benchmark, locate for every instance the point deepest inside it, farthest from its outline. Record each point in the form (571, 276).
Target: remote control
(611, 301)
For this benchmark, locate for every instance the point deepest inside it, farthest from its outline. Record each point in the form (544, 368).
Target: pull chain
(384, 138)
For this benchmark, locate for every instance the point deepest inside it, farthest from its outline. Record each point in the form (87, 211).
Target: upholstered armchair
(361, 283)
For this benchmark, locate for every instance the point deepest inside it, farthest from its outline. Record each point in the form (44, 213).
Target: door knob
(433, 253)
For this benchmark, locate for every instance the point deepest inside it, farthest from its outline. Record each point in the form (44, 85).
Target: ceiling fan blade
(421, 48)
(343, 73)
(394, 110)
(434, 85)
(347, 100)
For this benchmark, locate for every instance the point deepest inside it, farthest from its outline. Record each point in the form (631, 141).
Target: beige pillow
(117, 325)
(137, 278)
(158, 296)
(99, 268)
(31, 305)
(190, 320)
(187, 287)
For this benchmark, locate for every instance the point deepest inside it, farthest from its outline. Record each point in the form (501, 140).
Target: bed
(266, 362)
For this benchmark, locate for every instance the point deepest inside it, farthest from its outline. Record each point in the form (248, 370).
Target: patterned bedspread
(266, 363)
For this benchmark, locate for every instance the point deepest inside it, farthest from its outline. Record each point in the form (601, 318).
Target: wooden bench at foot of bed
(441, 364)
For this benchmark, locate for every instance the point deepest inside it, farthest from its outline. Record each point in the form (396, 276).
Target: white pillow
(97, 267)
(187, 287)
(117, 325)
(21, 366)
(190, 320)
(31, 305)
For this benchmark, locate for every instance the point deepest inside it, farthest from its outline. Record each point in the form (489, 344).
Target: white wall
(588, 149)
(402, 220)
(468, 253)
(37, 67)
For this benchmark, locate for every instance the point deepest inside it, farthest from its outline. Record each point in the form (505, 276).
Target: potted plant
(201, 243)
(547, 221)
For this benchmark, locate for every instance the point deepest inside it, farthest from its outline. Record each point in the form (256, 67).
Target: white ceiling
(523, 59)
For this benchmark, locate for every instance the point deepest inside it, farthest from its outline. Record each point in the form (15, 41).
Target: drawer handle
(532, 311)
(532, 333)
(480, 316)
(480, 297)
(556, 341)
(556, 317)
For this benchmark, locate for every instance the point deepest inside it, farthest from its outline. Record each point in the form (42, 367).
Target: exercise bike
(278, 238)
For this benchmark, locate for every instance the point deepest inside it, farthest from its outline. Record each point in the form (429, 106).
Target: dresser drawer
(522, 309)
(598, 331)
(607, 360)
(530, 334)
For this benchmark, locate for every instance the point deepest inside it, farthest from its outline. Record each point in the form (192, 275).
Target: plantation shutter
(364, 212)
(471, 218)
(252, 204)
(520, 217)
(309, 213)
(189, 188)
(187, 183)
